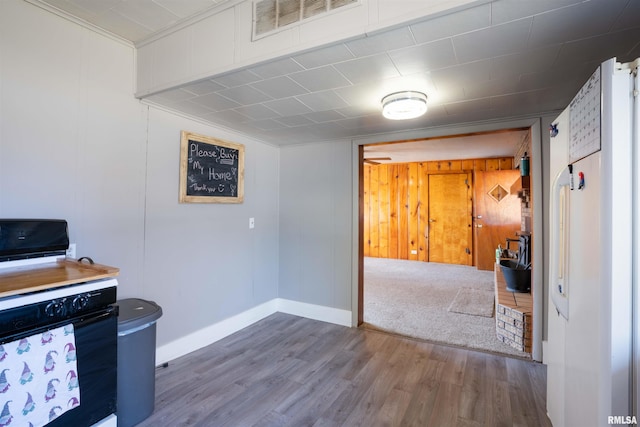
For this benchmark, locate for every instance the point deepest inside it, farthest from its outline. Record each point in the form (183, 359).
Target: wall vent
(272, 15)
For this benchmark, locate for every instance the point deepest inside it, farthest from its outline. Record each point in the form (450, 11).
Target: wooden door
(449, 220)
(498, 214)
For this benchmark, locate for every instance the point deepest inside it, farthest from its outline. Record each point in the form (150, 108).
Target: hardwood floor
(291, 371)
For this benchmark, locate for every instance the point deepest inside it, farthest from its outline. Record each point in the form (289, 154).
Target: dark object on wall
(30, 238)
(136, 360)
(211, 170)
(517, 277)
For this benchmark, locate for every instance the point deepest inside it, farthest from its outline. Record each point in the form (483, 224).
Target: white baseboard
(224, 328)
(315, 312)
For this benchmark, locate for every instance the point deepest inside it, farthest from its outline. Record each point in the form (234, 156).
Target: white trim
(315, 312)
(202, 338)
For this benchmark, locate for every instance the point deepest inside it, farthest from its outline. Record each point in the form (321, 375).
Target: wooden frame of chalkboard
(211, 170)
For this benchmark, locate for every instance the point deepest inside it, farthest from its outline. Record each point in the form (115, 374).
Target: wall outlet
(414, 252)
(71, 251)
(252, 222)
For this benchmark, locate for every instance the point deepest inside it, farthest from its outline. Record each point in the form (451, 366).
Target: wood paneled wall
(396, 204)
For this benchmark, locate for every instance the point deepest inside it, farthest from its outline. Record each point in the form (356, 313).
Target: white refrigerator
(591, 351)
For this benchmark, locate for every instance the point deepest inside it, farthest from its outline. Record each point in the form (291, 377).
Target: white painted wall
(316, 223)
(76, 144)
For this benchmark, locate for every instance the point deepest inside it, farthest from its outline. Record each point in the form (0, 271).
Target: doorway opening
(432, 215)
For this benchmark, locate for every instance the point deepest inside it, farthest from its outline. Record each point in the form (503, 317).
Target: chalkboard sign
(211, 170)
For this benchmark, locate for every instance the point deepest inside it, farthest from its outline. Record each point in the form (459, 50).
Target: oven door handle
(78, 322)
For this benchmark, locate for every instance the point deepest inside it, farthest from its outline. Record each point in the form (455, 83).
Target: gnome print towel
(38, 378)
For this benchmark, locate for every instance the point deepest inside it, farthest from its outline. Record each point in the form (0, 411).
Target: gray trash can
(136, 360)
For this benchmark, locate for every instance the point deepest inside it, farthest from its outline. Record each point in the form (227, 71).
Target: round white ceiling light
(404, 105)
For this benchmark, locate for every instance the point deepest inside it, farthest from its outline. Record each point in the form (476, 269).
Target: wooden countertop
(37, 277)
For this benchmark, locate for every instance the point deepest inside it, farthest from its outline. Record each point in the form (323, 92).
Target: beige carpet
(412, 298)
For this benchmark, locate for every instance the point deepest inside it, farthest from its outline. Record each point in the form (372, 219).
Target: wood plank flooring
(291, 371)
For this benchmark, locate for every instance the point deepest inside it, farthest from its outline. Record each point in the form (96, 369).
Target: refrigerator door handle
(559, 276)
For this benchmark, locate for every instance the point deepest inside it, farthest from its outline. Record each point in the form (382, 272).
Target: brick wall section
(513, 315)
(513, 327)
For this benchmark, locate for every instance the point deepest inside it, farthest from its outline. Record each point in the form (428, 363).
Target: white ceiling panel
(279, 87)
(381, 42)
(204, 87)
(368, 68)
(506, 11)
(322, 101)
(492, 60)
(445, 26)
(493, 41)
(425, 57)
(323, 56)
(320, 78)
(570, 23)
(245, 95)
(288, 106)
(216, 102)
(277, 68)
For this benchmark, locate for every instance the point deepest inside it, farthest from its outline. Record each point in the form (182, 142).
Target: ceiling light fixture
(404, 105)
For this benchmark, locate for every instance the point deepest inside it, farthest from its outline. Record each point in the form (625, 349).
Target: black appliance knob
(55, 308)
(80, 302)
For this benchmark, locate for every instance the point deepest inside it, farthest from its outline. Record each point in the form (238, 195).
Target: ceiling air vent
(273, 15)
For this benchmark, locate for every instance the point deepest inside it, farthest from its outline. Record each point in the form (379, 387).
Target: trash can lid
(136, 312)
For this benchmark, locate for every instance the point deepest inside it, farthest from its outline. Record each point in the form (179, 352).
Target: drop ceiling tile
(189, 107)
(324, 116)
(321, 78)
(237, 78)
(381, 42)
(183, 8)
(368, 68)
(226, 116)
(268, 124)
(529, 61)
(245, 95)
(630, 16)
(478, 71)
(549, 78)
(324, 56)
(502, 86)
(457, 108)
(293, 121)
(146, 13)
(257, 112)
(328, 131)
(203, 88)
(277, 68)
(279, 87)
(361, 94)
(494, 41)
(425, 57)
(358, 111)
(171, 96)
(287, 106)
(84, 10)
(568, 24)
(322, 101)
(506, 10)
(452, 24)
(123, 26)
(601, 48)
(215, 102)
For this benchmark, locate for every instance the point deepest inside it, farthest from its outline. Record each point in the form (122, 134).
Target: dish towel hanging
(38, 378)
